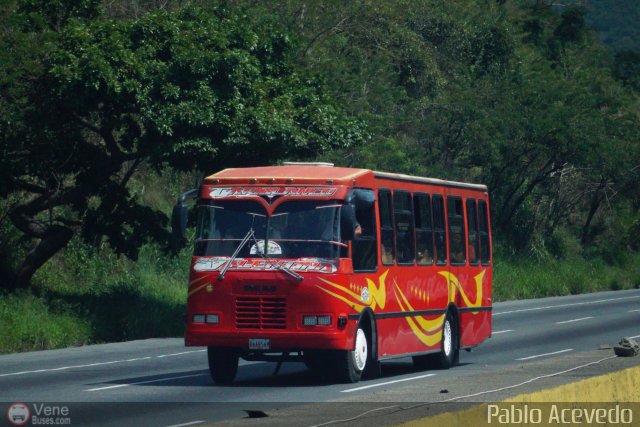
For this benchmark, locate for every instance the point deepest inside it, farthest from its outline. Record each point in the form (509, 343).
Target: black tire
(423, 362)
(449, 349)
(351, 363)
(316, 360)
(223, 364)
(373, 368)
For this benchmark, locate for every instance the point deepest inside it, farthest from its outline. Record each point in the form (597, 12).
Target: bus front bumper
(268, 340)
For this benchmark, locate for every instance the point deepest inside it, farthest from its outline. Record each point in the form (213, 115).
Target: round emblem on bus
(364, 294)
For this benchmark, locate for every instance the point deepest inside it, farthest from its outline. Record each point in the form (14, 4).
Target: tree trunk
(586, 228)
(54, 239)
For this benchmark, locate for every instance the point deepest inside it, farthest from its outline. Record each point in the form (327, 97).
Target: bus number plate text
(259, 344)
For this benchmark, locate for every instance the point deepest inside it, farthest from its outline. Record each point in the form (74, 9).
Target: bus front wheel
(223, 364)
(351, 363)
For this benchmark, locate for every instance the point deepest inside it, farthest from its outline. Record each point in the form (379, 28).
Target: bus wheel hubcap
(360, 352)
(447, 338)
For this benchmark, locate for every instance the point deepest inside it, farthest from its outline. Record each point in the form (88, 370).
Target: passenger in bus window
(424, 257)
(472, 253)
(387, 255)
(457, 249)
(357, 230)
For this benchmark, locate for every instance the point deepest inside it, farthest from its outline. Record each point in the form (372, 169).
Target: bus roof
(305, 172)
(321, 174)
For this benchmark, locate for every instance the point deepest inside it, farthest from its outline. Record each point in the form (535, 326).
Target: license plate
(259, 344)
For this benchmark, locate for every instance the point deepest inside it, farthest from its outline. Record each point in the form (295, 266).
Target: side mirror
(347, 222)
(179, 218)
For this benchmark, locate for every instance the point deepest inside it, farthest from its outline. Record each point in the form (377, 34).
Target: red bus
(338, 267)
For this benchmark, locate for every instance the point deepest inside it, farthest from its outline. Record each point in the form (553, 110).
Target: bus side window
(457, 246)
(424, 228)
(385, 208)
(403, 215)
(439, 230)
(365, 253)
(472, 227)
(485, 250)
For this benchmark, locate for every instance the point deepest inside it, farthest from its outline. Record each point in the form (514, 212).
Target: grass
(85, 297)
(523, 278)
(28, 323)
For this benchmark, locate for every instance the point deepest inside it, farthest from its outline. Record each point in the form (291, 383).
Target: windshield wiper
(244, 241)
(282, 267)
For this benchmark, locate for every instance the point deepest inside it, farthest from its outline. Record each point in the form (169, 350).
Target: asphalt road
(160, 382)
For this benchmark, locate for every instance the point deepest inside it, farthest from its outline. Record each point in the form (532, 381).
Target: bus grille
(261, 313)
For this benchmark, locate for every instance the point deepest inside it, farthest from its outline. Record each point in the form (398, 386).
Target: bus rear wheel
(351, 363)
(448, 355)
(449, 352)
(223, 364)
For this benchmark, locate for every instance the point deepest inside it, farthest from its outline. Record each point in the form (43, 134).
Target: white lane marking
(179, 354)
(633, 311)
(501, 332)
(146, 382)
(574, 320)
(564, 305)
(90, 365)
(545, 354)
(187, 424)
(387, 383)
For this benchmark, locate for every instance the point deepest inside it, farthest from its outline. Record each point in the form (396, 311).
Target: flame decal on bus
(428, 331)
(454, 284)
(377, 295)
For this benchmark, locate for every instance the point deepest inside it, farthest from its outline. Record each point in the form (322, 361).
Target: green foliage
(627, 68)
(520, 278)
(617, 23)
(103, 110)
(90, 295)
(30, 323)
(100, 98)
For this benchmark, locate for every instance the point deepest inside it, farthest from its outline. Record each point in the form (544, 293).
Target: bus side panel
(411, 290)
(475, 326)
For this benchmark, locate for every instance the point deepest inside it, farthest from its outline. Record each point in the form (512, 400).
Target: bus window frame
(459, 219)
(476, 247)
(385, 195)
(439, 199)
(417, 196)
(484, 220)
(397, 194)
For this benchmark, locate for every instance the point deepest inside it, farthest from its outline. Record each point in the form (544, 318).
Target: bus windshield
(296, 229)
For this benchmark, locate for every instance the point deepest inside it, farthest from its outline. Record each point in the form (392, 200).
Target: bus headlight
(213, 319)
(321, 320)
(324, 320)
